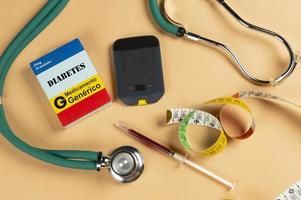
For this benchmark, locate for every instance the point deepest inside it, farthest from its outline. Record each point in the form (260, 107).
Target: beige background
(263, 165)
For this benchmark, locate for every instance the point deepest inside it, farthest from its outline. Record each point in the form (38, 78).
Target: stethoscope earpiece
(126, 164)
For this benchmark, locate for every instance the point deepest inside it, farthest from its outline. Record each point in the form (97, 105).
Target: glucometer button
(140, 87)
(142, 102)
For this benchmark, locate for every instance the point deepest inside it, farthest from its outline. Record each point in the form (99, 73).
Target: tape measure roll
(187, 116)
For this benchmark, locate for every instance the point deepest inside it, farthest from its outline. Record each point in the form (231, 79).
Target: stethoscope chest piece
(126, 164)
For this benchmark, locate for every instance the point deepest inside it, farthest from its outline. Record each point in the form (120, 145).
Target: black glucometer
(138, 70)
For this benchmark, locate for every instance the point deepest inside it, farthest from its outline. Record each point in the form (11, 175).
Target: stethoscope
(125, 164)
(176, 28)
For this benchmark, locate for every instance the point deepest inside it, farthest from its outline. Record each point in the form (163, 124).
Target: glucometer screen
(138, 69)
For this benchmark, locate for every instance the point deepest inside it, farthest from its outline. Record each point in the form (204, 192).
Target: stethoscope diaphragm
(126, 164)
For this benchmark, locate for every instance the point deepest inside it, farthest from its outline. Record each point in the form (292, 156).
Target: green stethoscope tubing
(162, 22)
(64, 158)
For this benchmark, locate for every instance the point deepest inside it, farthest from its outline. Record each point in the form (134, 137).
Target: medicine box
(70, 82)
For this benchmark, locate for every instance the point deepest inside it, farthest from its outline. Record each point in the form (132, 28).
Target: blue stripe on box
(55, 57)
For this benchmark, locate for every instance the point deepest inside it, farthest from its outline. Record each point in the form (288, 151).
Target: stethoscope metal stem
(293, 61)
(197, 38)
(293, 58)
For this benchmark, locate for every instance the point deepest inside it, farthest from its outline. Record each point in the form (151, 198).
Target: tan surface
(263, 165)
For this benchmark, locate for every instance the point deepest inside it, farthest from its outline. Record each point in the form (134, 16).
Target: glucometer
(138, 70)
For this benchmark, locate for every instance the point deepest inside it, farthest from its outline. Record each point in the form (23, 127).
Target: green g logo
(60, 102)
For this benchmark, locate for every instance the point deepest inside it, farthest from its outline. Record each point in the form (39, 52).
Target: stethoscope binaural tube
(175, 28)
(162, 22)
(76, 159)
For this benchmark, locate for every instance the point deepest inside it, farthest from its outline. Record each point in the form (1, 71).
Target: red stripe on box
(84, 107)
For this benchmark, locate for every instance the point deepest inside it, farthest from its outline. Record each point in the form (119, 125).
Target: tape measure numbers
(187, 116)
(292, 193)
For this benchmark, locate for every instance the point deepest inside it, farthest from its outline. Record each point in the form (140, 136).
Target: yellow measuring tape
(187, 116)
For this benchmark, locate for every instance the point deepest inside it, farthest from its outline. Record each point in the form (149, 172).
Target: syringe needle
(205, 171)
(159, 147)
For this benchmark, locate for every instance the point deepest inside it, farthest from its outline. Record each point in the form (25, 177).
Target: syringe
(170, 153)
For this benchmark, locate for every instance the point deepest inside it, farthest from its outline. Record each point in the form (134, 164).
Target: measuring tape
(187, 116)
(292, 193)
